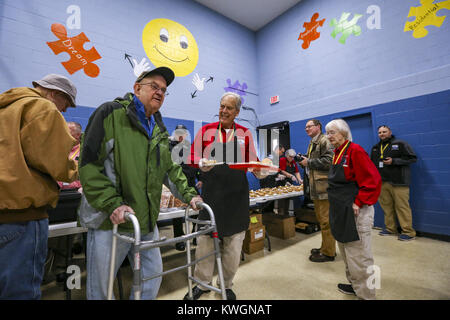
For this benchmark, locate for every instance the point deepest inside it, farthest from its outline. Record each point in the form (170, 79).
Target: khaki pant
(394, 201)
(358, 256)
(231, 254)
(321, 208)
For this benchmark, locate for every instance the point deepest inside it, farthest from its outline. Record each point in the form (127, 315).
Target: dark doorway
(272, 135)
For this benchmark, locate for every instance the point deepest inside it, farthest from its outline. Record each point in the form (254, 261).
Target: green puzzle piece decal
(346, 27)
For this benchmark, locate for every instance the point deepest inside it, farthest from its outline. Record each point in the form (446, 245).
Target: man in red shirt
(224, 189)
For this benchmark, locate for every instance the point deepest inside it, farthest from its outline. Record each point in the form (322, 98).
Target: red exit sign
(274, 99)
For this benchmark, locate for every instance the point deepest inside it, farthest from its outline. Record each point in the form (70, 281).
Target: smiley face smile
(187, 58)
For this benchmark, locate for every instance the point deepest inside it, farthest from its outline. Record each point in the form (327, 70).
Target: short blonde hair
(341, 126)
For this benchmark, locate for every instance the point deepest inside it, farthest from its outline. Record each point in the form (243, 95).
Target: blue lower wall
(81, 115)
(423, 122)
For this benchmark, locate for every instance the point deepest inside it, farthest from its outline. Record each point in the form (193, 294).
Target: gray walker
(208, 227)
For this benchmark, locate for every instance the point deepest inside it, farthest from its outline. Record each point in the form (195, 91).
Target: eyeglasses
(310, 126)
(156, 88)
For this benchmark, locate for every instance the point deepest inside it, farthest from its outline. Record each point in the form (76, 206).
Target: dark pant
(23, 249)
(178, 227)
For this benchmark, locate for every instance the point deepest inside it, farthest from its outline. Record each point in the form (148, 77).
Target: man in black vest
(392, 157)
(224, 189)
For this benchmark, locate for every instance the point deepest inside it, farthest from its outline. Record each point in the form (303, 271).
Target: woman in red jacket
(354, 187)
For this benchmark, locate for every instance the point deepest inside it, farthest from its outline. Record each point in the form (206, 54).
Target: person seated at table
(75, 131)
(289, 168)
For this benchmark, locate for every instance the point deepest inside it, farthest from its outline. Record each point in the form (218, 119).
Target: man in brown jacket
(34, 146)
(317, 163)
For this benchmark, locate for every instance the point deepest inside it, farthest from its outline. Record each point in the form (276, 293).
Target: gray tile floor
(418, 269)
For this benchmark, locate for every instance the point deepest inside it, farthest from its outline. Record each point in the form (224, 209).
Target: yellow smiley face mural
(168, 43)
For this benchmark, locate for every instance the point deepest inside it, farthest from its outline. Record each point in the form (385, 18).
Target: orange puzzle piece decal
(310, 33)
(79, 58)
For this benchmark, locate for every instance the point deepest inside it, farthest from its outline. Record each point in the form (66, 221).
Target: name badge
(380, 164)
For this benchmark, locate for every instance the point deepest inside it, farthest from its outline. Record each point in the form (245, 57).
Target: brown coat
(319, 162)
(34, 146)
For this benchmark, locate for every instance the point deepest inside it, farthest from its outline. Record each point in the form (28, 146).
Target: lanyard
(382, 150)
(340, 154)
(309, 149)
(77, 152)
(220, 134)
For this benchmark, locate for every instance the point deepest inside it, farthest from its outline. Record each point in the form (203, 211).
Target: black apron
(341, 195)
(226, 190)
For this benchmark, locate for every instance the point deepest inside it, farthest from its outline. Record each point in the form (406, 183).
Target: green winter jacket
(119, 164)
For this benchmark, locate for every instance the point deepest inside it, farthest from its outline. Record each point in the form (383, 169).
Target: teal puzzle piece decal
(346, 27)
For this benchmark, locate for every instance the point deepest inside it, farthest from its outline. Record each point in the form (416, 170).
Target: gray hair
(290, 153)
(341, 126)
(237, 99)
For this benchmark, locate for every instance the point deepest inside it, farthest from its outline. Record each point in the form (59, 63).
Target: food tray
(247, 165)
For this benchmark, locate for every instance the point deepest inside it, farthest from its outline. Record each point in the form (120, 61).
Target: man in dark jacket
(392, 157)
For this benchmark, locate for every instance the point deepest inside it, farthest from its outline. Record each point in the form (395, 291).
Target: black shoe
(320, 258)
(61, 277)
(315, 251)
(196, 293)
(180, 246)
(77, 248)
(230, 294)
(346, 289)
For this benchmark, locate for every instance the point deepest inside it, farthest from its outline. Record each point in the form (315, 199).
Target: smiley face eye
(164, 35)
(183, 42)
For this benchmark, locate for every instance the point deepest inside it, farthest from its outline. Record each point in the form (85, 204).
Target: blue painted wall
(422, 122)
(376, 67)
(114, 27)
(399, 80)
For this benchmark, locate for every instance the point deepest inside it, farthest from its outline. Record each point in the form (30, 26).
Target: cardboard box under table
(280, 226)
(255, 220)
(254, 239)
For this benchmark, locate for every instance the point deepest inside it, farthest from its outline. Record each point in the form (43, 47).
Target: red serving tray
(249, 165)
